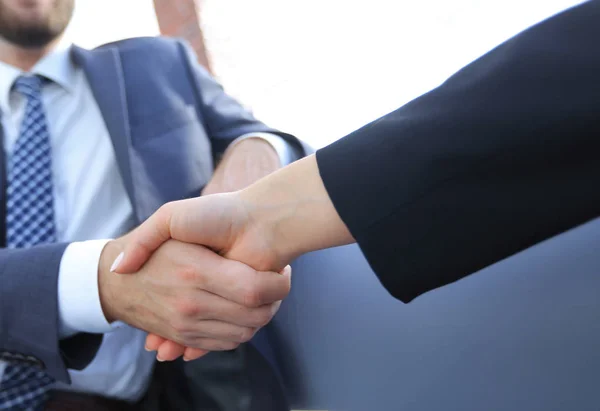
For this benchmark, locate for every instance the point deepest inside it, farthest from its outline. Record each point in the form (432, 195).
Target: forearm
(295, 208)
(500, 157)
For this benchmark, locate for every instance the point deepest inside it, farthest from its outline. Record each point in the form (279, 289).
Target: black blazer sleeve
(503, 155)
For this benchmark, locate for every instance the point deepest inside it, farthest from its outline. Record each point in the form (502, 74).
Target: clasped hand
(184, 290)
(194, 297)
(189, 255)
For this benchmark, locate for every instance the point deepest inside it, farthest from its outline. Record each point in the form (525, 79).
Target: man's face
(34, 23)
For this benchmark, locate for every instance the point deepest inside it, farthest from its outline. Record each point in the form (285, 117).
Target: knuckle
(164, 212)
(179, 326)
(187, 307)
(252, 296)
(166, 208)
(187, 274)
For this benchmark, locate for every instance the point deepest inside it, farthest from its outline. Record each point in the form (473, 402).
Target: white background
(322, 68)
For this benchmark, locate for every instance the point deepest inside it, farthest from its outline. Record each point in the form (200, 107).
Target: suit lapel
(105, 75)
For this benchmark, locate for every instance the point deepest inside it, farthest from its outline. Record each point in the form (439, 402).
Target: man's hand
(243, 164)
(191, 295)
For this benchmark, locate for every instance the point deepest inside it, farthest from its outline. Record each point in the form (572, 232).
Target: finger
(144, 240)
(153, 341)
(240, 283)
(256, 317)
(219, 330)
(267, 287)
(202, 220)
(169, 351)
(191, 354)
(210, 344)
(214, 307)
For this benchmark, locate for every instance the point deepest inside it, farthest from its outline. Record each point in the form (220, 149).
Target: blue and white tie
(29, 222)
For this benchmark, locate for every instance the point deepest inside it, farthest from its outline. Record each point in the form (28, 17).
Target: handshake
(204, 274)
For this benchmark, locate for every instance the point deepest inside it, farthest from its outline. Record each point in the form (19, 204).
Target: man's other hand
(244, 163)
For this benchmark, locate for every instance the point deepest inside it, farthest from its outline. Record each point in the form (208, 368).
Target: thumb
(206, 221)
(144, 240)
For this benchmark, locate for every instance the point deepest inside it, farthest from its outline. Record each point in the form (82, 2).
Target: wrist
(79, 305)
(265, 209)
(292, 209)
(107, 280)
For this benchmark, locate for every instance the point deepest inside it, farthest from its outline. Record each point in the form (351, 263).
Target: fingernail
(159, 359)
(116, 263)
(186, 359)
(146, 348)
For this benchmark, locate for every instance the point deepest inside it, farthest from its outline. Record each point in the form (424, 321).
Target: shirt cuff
(79, 308)
(282, 148)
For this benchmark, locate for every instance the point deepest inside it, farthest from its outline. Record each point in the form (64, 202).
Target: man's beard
(35, 34)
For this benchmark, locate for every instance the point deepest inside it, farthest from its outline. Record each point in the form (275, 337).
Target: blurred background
(321, 68)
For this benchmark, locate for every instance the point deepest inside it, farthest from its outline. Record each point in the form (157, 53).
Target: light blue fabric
(29, 222)
(167, 119)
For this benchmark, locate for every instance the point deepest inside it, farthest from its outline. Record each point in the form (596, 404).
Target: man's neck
(23, 58)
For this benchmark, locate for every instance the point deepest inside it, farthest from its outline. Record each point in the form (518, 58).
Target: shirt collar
(56, 66)
(8, 75)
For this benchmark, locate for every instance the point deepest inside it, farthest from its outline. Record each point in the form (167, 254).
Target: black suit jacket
(503, 155)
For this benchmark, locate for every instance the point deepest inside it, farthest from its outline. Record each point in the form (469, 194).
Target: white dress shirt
(91, 206)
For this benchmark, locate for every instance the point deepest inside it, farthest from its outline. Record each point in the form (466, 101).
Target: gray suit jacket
(160, 107)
